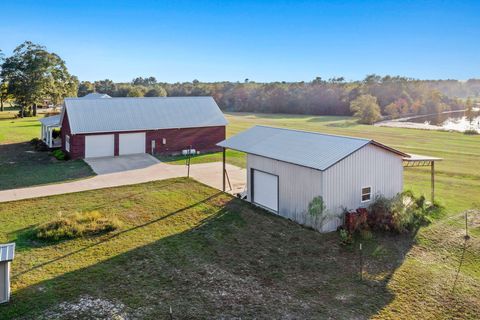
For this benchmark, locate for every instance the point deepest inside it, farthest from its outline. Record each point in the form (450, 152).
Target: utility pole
(433, 181)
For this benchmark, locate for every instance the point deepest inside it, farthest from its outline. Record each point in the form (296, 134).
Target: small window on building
(67, 143)
(366, 194)
(164, 141)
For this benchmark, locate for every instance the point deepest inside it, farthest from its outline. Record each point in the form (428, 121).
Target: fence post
(188, 161)
(361, 263)
(223, 170)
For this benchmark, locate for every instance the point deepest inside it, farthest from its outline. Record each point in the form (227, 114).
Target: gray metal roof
(131, 114)
(50, 121)
(7, 251)
(95, 95)
(308, 149)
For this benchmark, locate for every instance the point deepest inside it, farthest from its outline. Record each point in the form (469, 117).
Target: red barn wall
(203, 139)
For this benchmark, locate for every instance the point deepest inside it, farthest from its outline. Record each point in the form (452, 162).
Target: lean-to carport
(416, 160)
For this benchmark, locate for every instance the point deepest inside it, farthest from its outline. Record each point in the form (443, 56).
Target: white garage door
(101, 145)
(131, 143)
(265, 189)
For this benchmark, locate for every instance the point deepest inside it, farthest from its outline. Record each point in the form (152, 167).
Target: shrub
(38, 145)
(59, 154)
(79, 224)
(471, 132)
(356, 220)
(379, 214)
(402, 213)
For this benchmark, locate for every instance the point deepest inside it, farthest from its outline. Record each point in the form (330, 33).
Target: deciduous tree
(33, 74)
(366, 108)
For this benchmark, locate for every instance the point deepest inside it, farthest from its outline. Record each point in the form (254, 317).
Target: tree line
(32, 75)
(387, 96)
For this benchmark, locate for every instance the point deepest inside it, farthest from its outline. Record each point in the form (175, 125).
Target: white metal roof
(308, 149)
(7, 251)
(51, 121)
(419, 157)
(131, 114)
(95, 95)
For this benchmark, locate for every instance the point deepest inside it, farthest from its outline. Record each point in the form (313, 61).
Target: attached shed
(287, 169)
(7, 252)
(103, 127)
(48, 125)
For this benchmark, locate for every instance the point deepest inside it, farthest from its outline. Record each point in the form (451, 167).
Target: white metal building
(287, 169)
(7, 252)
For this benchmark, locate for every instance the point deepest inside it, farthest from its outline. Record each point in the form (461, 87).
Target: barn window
(366, 194)
(164, 141)
(67, 143)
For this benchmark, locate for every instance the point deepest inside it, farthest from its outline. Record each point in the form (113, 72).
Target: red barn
(104, 127)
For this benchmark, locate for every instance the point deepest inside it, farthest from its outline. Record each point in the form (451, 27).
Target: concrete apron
(207, 173)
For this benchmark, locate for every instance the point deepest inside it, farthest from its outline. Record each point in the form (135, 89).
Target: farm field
(206, 254)
(21, 166)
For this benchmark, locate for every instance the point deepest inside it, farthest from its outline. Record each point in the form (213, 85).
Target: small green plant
(346, 237)
(75, 225)
(366, 234)
(316, 207)
(59, 154)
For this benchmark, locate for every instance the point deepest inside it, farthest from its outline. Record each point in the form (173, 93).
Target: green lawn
(21, 166)
(208, 255)
(233, 157)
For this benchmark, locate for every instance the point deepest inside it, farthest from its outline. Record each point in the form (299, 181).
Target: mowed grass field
(207, 255)
(21, 165)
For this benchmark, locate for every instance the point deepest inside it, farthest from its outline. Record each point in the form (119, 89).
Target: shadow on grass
(239, 262)
(329, 119)
(343, 124)
(22, 166)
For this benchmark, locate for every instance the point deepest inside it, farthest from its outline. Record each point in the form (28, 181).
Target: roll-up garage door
(265, 189)
(131, 143)
(101, 145)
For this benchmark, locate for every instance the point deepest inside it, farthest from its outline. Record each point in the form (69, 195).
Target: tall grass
(78, 224)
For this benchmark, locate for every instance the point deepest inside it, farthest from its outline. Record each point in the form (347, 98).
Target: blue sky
(259, 40)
